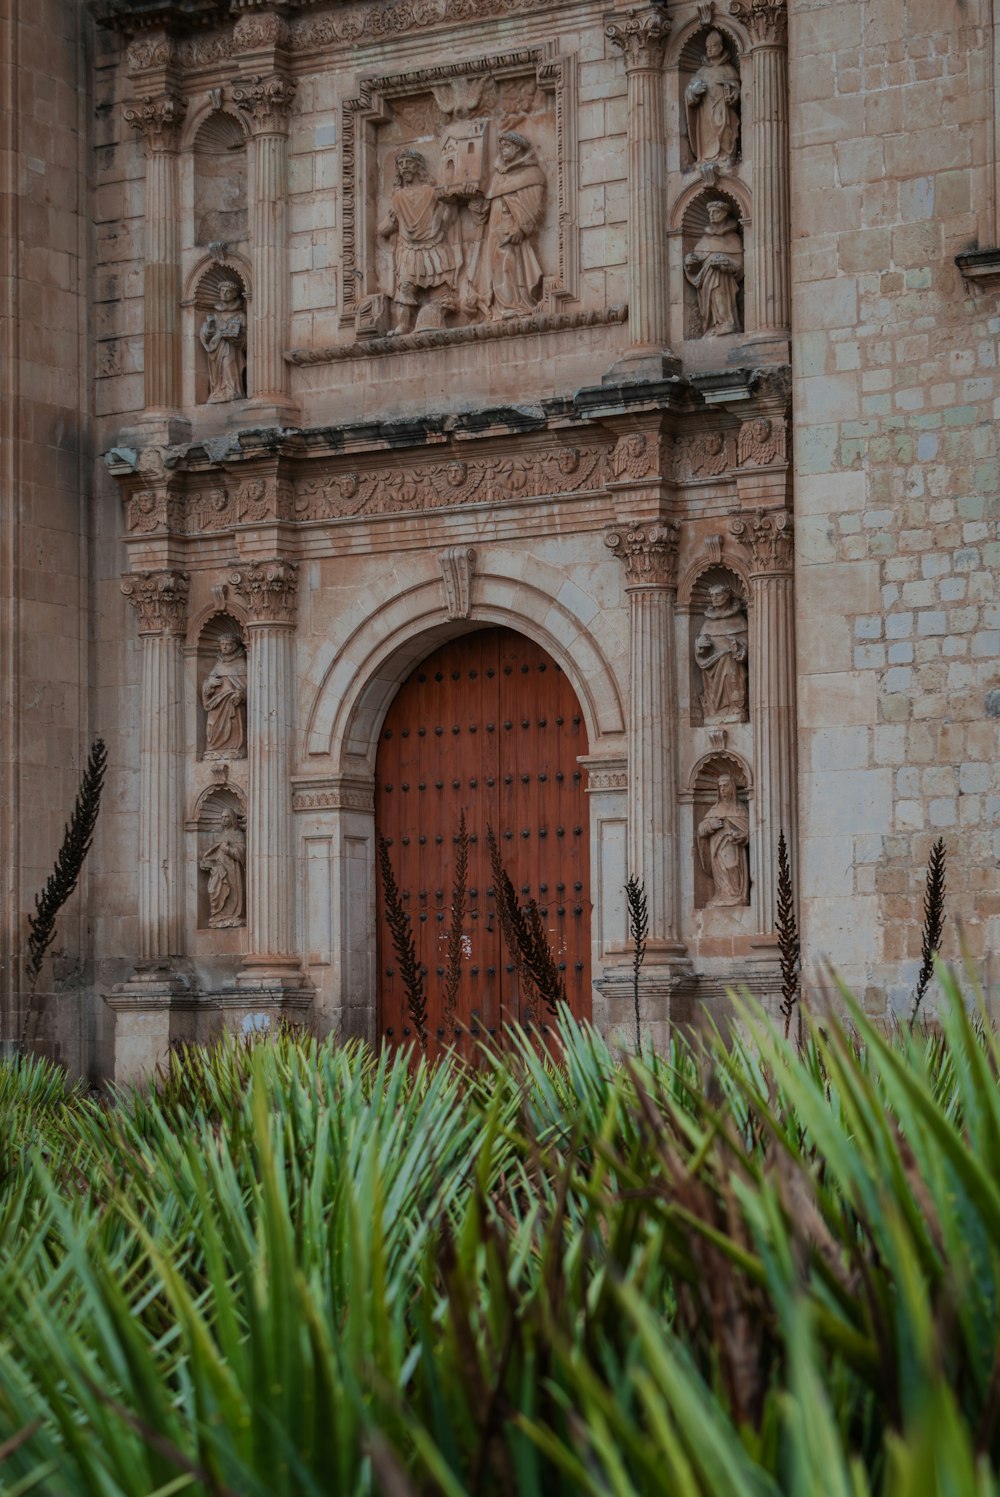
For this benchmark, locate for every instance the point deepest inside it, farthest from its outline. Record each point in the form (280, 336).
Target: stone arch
(689, 214)
(687, 42)
(692, 587)
(361, 677)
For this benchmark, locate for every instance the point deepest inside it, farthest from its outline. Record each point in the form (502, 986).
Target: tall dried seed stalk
(525, 937)
(77, 837)
(930, 942)
(789, 946)
(638, 929)
(459, 890)
(410, 971)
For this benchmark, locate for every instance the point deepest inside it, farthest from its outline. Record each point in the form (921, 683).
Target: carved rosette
(160, 600)
(269, 590)
(766, 20)
(641, 36)
(267, 102)
(158, 119)
(767, 540)
(647, 552)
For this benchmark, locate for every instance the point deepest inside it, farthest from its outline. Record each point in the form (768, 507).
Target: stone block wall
(896, 400)
(44, 484)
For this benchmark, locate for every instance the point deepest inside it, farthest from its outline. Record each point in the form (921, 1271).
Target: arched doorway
(490, 725)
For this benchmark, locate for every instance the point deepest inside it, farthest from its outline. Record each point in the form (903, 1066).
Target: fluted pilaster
(158, 120)
(267, 104)
(160, 602)
(641, 36)
(768, 540)
(269, 592)
(649, 555)
(767, 22)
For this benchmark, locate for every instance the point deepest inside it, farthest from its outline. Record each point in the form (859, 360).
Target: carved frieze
(762, 442)
(767, 539)
(704, 454)
(268, 590)
(333, 795)
(160, 600)
(641, 36)
(262, 498)
(150, 52)
(372, 323)
(647, 552)
(158, 119)
(636, 456)
(252, 32)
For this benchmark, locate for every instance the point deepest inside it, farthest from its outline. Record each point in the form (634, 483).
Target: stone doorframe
(335, 816)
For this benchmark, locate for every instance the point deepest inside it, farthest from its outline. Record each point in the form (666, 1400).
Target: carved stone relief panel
(722, 833)
(457, 202)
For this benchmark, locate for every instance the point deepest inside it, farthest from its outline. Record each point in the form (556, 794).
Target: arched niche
(218, 700)
(220, 180)
(718, 625)
(703, 791)
(701, 238)
(202, 299)
(693, 64)
(220, 823)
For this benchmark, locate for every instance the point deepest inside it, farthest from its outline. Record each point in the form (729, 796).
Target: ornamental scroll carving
(647, 552)
(641, 37)
(160, 600)
(456, 565)
(267, 102)
(767, 538)
(158, 119)
(766, 20)
(269, 592)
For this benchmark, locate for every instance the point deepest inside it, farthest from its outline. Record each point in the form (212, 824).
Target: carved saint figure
(715, 269)
(712, 101)
(427, 249)
(224, 338)
(723, 837)
(224, 697)
(504, 271)
(225, 863)
(720, 651)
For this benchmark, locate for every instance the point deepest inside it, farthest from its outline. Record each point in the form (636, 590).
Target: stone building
(578, 418)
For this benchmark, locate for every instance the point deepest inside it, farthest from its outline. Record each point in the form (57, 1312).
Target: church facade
(555, 438)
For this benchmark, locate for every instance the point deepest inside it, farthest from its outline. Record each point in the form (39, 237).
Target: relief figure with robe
(427, 247)
(723, 838)
(225, 863)
(224, 338)
(712, 100)
(224, 697)
(504, 274)
(720, 651)
(715, 269)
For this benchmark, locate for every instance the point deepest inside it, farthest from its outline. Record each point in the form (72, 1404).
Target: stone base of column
(146, 1010)
(662, 983)
(643, 364)
(762, 348)
(710, 996)
(264, 1007)
(155, 429)
(282, 973)
(269, 410)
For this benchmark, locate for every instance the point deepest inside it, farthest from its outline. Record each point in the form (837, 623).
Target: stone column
(767, 23)
(648, 553)
(267, 103)
(767, 539)
(641, 35)
(268, 589)
(158, 118)
(160, 601)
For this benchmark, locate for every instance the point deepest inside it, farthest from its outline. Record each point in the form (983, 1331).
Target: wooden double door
(488, 725)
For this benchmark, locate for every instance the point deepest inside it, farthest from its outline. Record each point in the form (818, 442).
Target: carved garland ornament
(767, 538)
(269, 590)
(647, 552)
(160, 600)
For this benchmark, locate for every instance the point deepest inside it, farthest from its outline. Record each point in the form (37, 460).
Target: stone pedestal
(641, 36)
(143, 1030)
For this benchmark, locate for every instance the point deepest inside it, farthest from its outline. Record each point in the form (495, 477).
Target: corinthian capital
(158, 119)
(647, 552)
(269, 590)
(767, 539)
(766, 20)
(641, 35)
(266, 101)
(160, 600)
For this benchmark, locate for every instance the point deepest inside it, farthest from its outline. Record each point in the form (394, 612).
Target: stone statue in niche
(715, 269)
(225, 863)
(712, 101)
(504, 273)
(224, 338)
(720, 652)
(723, 838)
(427, 248)
(224, 698)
